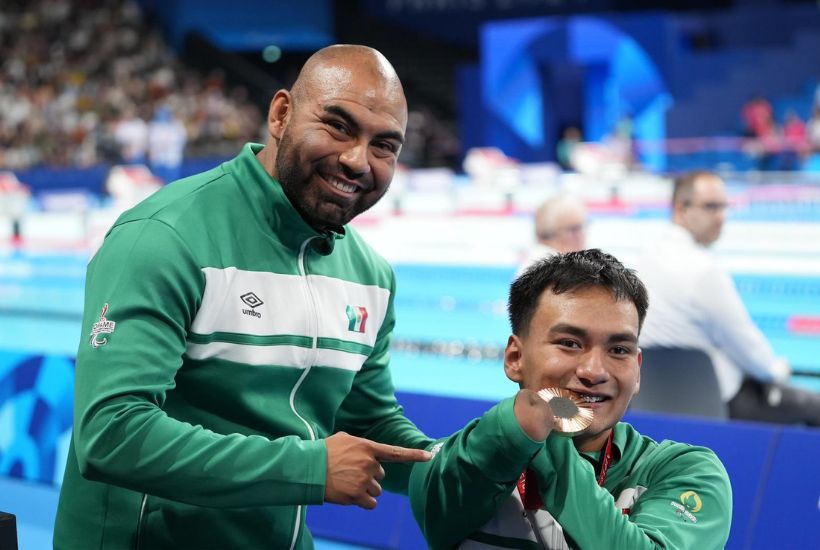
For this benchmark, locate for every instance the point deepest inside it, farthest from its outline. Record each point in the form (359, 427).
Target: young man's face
(585, 341)
(339, 145)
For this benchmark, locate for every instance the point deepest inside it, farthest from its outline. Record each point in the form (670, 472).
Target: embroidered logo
(103, 326)
(689, 505)
(254, 302)
(357, 318)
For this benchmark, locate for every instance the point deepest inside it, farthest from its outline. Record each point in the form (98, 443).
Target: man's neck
(594, 444)
(267, 159)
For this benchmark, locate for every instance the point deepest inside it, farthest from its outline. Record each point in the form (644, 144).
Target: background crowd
(89, 97)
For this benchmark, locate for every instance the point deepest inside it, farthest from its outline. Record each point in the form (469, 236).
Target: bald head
(560, 223)
(331, 70)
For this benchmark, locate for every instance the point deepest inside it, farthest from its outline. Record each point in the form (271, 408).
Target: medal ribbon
(528, 483)
(606, 459)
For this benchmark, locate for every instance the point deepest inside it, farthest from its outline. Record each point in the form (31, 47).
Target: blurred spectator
(614, 155)
(131, 134)
(415, 139)
(14, 200)
(166, 143)
(490, 167)
(570, 138)
(758, 120)
(560, 226)
(795, 142)
(622, 141)
(695, 305)
(813, 130)
(58, 97)
(429, 142)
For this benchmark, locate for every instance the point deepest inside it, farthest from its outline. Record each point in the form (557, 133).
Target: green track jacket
(222, 339)
(656, 495)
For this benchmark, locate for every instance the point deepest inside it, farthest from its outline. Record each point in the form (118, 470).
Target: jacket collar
(268, 198)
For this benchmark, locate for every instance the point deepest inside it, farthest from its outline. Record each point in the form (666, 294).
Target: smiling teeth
(592, 398)
(346, 187)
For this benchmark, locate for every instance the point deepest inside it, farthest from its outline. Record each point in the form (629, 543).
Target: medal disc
(572, 414)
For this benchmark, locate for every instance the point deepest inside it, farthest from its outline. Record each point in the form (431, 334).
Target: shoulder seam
(166, 224)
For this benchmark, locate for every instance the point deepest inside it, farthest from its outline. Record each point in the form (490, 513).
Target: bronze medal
(572, 414)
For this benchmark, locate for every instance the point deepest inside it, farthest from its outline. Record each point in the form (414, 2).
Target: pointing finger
(391, 453)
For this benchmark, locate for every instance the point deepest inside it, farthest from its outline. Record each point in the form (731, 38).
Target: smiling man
(336, 136)
(234, 368)
(510, 480)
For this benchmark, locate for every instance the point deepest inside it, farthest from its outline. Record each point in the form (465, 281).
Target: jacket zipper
(137, 543)
(313, 315)
(311, 433)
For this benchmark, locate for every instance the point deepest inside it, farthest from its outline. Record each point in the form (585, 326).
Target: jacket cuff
(498, 444)
(317, 472)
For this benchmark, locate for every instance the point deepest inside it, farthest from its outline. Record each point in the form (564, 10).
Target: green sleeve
(570, 492)
(371, 411)
(472, 473)
(122, 436)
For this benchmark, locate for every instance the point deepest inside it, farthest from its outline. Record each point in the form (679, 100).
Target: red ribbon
(528, 482)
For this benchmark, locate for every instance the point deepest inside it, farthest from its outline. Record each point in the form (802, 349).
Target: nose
(592, 370)
(354, 160)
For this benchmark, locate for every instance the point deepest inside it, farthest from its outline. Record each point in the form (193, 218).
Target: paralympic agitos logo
(103, 326)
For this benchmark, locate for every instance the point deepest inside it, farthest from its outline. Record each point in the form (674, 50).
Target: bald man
(560, 227)
(234, 365)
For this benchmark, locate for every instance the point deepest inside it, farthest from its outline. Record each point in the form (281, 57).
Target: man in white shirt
(560, 226)
(695, 305)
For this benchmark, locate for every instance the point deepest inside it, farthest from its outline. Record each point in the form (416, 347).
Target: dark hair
(684, 189)
(569, 272)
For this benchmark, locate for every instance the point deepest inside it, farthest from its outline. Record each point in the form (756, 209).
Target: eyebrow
(566, 328)
(345, 114)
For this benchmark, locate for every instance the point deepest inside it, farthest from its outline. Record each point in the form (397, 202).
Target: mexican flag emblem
(357, 317)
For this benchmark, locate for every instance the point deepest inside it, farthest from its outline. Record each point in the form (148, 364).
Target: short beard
(288, 175)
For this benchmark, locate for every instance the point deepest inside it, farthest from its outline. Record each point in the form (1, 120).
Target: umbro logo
(253, 301)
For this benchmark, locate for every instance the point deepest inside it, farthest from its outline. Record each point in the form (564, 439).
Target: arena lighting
(272, 53)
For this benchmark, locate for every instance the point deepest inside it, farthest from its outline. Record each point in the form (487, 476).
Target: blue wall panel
(36, 394)
(787, 513)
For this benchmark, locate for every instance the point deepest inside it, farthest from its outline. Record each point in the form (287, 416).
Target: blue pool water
(41, 301)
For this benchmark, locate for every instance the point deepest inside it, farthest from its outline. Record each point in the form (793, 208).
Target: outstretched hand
(533, 414)
(354, 469)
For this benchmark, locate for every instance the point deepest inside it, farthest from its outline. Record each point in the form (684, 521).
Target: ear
(638, 381)
(678, 212)
(513, 359)
(279, 113)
